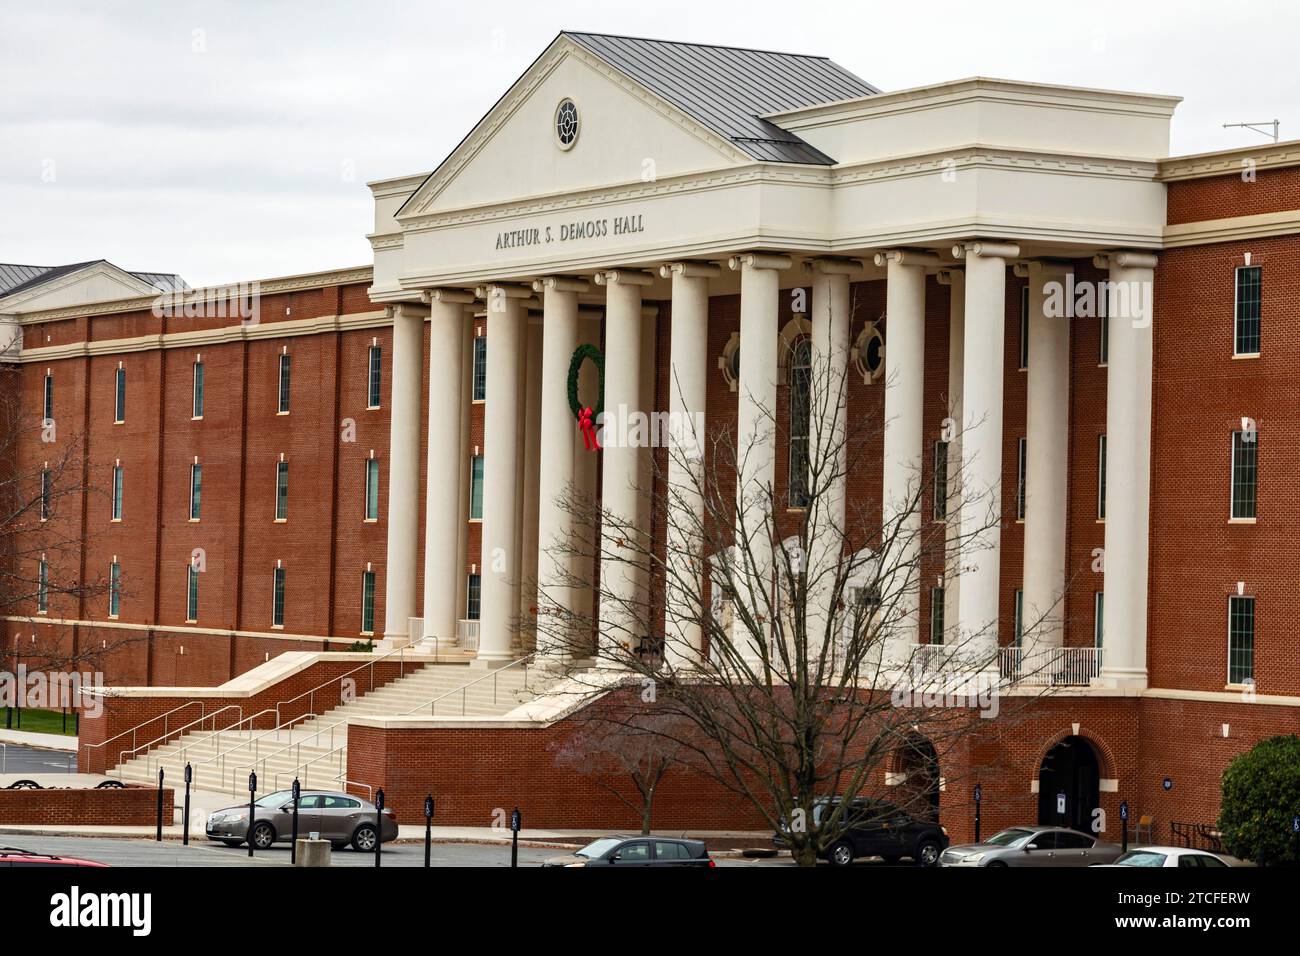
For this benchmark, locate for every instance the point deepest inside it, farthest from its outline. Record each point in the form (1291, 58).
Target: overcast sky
(233, 140)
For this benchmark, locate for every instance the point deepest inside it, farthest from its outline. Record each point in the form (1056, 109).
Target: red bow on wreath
(588, 429)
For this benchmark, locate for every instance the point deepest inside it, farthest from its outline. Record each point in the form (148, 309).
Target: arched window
(800, 380)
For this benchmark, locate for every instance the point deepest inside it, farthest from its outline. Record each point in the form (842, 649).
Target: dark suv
(876, 828)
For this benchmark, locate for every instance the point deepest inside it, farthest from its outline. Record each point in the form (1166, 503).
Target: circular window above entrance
(566, 123)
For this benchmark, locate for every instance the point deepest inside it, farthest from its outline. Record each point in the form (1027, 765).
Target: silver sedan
(338, 817)
(1032, 846)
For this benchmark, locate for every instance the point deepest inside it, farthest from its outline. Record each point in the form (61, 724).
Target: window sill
(281, 413)
(373, 408)
(119, 421)
(193, 521)
(475, 520)
(370, 521)
(196, 418)
(114, 520)
(1244, 355)
(277, 627)
(1100, 521)
(478, 401)
(796, 510)
(280, 521)
(1241, 688)
(366, 633)
(1242, 520)
(1103, 365)
(191, 620)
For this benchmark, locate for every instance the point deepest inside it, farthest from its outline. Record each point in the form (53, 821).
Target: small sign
(428, 808)
(297, 790)
(1295, 824)
(1060, 802)
(379, 799)
(252, 782)
(1168, 784)
(1123, 810)
(189, 773)
(979, 793)
(515, 821)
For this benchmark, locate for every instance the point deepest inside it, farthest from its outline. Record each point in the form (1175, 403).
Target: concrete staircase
(317, 747)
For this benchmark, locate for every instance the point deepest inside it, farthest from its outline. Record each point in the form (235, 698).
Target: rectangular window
(114, 589)
(198, 389)
(284, 384)
(473, 597)
(1241, 640)
(1021, 464)
(277, 598)
(49, 396)
(375, 377)
(372, 489)
(936, 615)
(1104, 351)
(119, 397)
(1024, 327)
(281, 491)
(117, 492)
(1098, 618)
(1245, 453)
(1019, 619)
(47, 485)
(367, 602)
(1249, 299)
(476, 487)
(1101, 477)
(192, 593)
(940, 480)
(196, 491)
(800, 421)
(43, 588)
(480, 369)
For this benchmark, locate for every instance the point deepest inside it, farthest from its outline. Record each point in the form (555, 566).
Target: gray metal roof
(19, 278)
(729, 89)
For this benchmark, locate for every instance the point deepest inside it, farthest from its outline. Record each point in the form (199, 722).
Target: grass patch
(38, 721)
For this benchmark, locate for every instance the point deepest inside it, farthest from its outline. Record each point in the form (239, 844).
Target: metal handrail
(227, 729)
(179, 730)
(297, 771)
(251, 742)
(463, 688)
(400, 651)
(162, 717)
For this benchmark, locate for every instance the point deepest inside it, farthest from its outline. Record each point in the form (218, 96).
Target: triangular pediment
(626, 134)
(96, 282)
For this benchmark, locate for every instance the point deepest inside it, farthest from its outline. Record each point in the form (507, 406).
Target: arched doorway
(1070, 768)
(918, 763)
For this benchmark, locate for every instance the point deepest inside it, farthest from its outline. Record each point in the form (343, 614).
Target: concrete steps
(316, 747)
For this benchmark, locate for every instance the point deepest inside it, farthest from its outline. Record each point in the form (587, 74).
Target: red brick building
(1143, 477)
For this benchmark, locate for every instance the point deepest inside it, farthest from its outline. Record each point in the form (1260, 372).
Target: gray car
(1032, 846)
(338, 817)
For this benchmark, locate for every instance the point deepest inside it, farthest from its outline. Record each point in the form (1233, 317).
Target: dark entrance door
(919, 763)
(1071, 768)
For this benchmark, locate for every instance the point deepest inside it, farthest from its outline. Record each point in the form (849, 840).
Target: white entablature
(1061, 170)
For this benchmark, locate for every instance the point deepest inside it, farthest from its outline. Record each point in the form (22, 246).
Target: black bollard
(293, 843)
(252, 810)
(379, 826)
(428, 829)
(979, 797)
(515, 821)
(158, 834)
(185, 815)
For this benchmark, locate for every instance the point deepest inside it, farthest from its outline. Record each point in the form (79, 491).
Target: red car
(12, 856)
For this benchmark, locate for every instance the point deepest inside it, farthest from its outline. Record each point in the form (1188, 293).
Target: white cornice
(1230, 161)
(177, 300)
(208, 337)
(499, 115)
(971, 89)
(14, 302)
(1234, 229)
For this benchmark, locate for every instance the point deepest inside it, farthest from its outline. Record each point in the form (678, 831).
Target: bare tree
(778, 622)
(45, 480)
(627, 755)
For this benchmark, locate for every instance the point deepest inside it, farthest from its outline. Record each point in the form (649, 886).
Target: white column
(902, 492)
(443, 563)
(556, 468)
(622, 540)
(404, 470)
(530, 479)
(828, 421)
(687, 396)
(1047, 453)
(498, 616)
(955, 280)
(1128, 464)
(760, 289)
(980, 514)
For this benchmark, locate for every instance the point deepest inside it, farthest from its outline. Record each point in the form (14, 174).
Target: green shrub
(1261, 798)
(362, 646)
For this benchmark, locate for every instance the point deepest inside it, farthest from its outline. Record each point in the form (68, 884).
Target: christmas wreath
(581, 354)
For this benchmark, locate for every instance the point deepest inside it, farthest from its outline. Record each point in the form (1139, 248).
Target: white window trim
(111, 589)
(1236, 308)
(473, 367)
(190, 509)
(365, 494)
(1099, 619)
(275, 573)
(1232, 484)
(119, 414)
(373, 588)
(1103, 454)
(275, 495)
(191, 575)
(479, 519)
(279, 383)
(1022, 474)
(194, 391)
(370, 356)
(116, 501)
(1228, 635)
